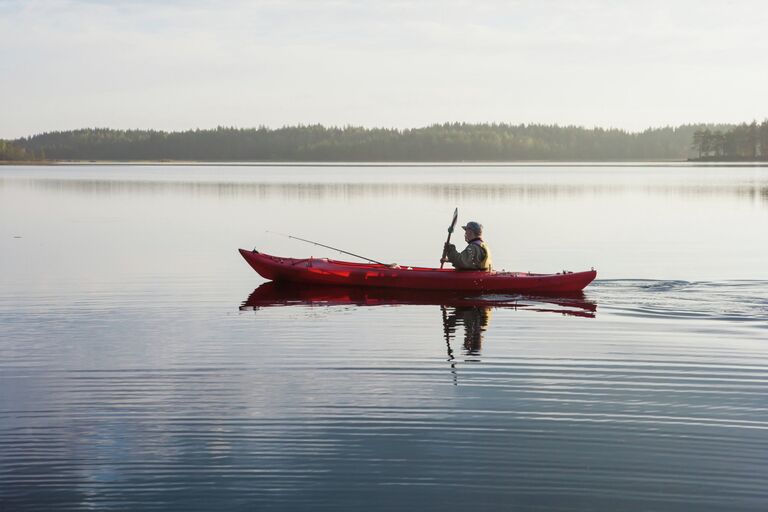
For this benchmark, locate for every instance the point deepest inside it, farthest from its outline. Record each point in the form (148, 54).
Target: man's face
(469, 235)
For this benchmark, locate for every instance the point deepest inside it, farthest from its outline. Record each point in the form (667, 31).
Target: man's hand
(447, 249)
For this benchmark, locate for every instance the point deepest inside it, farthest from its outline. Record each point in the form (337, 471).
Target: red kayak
(325, 271)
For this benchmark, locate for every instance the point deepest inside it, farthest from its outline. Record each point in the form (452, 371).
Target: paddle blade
(455, 218)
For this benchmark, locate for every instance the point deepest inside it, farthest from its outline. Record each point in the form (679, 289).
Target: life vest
(485, 261)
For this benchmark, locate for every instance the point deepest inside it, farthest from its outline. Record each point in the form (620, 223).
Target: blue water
(142, 367)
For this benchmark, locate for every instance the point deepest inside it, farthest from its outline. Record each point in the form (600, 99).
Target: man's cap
(473, 226)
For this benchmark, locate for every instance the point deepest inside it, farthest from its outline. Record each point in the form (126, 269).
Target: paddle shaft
(448, 240)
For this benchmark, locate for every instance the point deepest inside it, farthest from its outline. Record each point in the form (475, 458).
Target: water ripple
(654, 399)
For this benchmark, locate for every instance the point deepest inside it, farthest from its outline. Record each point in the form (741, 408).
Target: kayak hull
(332, 272)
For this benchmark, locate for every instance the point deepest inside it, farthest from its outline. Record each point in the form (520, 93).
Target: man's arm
(466, 260)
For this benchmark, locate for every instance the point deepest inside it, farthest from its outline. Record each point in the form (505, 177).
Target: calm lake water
(145, 366)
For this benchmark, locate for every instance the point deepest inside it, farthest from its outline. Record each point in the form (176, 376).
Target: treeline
(742, 142)
(454, 142)
(13, 152)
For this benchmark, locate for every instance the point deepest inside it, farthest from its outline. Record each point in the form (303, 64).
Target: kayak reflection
(273, 294)
(459, 310)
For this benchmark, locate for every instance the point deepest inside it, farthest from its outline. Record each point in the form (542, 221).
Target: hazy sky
(178, 65)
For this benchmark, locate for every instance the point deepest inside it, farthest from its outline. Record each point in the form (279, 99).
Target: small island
(745, 142)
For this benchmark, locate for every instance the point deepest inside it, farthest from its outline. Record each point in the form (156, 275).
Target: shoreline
(514, 163)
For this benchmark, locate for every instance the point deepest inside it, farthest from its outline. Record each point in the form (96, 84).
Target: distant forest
(14, 152)
(742, 142)
(451, 142)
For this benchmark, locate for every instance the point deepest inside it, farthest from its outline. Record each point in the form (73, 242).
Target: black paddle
(450, 232)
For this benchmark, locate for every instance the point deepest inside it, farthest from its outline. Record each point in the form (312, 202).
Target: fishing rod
(328, 247)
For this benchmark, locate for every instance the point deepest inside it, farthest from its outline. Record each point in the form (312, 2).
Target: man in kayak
(476, 256)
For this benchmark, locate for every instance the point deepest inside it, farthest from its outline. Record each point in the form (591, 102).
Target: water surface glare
(145, 366)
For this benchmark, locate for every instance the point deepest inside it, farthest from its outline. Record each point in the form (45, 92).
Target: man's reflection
(474, 319)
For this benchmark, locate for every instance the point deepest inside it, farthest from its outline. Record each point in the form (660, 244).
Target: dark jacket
(477, 256)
